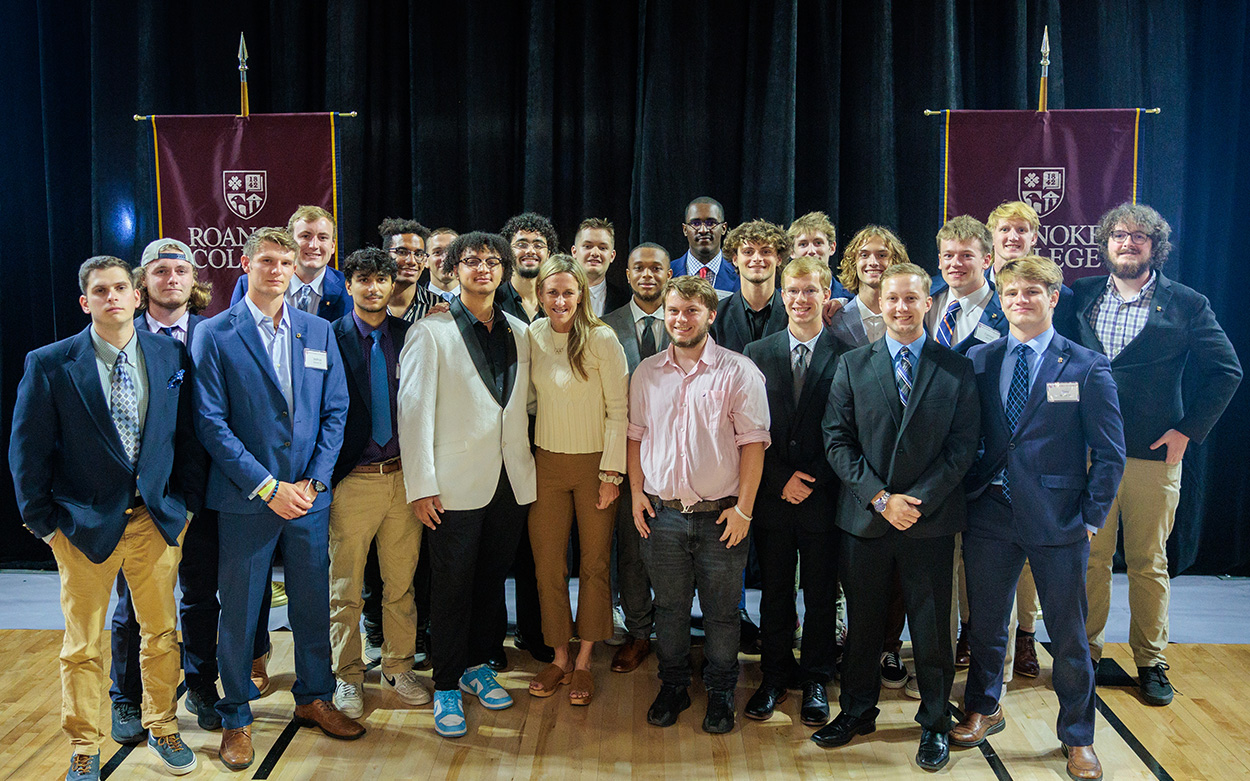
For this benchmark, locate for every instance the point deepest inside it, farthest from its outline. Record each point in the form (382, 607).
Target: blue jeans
(682, 554)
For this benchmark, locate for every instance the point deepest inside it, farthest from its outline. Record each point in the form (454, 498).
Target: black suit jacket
(872, 443)
(731, 330)
(359, 426)
(797, 438)
(1179, 373)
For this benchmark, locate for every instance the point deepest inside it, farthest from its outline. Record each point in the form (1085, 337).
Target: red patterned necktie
(703, 273)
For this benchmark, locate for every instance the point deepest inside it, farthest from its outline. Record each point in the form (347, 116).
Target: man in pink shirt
(698, 426)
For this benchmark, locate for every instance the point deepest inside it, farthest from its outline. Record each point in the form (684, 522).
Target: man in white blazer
(468, 469)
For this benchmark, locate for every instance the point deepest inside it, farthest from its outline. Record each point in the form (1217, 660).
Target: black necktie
(646, 347)
(800, 369)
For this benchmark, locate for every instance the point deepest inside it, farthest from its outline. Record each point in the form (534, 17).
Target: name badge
(985, 333)
(315, 359)
(1063, 391)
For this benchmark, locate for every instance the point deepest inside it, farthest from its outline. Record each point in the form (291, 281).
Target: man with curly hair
(533, 239)
(870, 252)
(755, 310)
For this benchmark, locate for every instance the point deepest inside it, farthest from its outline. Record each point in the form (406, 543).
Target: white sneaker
(619, 632)
(408, 688)
(912, 687)
(349, 698)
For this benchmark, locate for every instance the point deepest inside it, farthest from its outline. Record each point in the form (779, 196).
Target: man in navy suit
(965, 312)
(107, 471)
(755, 310)
(1048, 407)
(273, 400)
(1176, 372)
(704, 227)
(798, 491)
(317, 288)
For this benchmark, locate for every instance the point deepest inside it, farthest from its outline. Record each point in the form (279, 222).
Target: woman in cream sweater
(580, 381)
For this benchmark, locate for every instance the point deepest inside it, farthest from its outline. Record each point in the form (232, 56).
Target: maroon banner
(1070, 166)
(219, 177)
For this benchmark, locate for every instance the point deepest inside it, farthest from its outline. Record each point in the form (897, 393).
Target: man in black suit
(639, 326)
(901, 429)
(594, 248)
(370, 501)
(756, 310)
(533, 239)
(1176, 372)
(794, 517)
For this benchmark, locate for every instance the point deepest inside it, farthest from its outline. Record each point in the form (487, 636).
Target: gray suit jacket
(847, 325)
(621, 321)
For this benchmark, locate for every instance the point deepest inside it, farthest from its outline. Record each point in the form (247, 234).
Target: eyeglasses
(708, 224)
(524, 246)
(1137, 236)
(807, 292)
(477, 263)
(404, 252)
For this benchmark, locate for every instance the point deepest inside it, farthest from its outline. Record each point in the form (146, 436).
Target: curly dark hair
(370, 260)
(535, 223)
(477, 240)
(1146, 220)
(393, 226)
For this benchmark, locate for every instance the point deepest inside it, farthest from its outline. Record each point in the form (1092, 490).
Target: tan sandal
(582, 681)
(548, 680)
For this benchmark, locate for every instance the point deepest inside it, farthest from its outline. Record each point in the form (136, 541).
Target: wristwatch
(318, 486)
(878, 504)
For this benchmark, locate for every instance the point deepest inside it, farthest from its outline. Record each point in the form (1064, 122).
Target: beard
(693, 341)
(1129, 266)
(527, 272)
(649, 297)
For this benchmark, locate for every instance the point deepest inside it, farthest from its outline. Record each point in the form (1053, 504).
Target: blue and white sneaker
(449, 714)
(481, 681)
(84, 767)
(173, 752)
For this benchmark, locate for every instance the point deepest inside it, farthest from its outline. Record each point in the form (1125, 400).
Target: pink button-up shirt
(691, 425)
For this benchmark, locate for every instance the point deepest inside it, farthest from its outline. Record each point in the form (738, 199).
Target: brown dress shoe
(631, 654)
(1026, 656)
(260, 672)
(1083, 764)
(975, 728)
(236, 747)
(963, 656)
(323, 714)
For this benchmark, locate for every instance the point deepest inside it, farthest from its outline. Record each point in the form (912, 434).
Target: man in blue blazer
(317, 288)
(704, 228)
(272, 399)
(966, 311)
(1047, 405)
(107, 471)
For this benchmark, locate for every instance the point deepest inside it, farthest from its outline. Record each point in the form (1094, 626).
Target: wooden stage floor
(1202, 735)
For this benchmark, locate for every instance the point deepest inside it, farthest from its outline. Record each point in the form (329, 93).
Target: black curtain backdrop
(471, 112)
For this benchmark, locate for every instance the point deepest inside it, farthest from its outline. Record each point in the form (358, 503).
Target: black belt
(707, 506)
(995, 490)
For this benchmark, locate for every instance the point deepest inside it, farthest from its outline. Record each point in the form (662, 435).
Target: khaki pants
(364, 507)
(568, 482)
(1146, 507)
(150, 565)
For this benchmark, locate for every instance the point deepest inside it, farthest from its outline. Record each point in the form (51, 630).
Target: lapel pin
(299, 336)
(1158, 309)
(1060, 360)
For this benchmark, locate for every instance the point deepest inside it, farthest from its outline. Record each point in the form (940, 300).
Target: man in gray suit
(874, 249)
(639, 325)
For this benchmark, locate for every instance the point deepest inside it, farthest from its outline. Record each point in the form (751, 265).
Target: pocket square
(176, 380)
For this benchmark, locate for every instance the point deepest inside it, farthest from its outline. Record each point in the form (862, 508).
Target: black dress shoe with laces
(843, 728)
(668, 705)
(720, 712)
(934, 752)
(765, 701)
(815, 710)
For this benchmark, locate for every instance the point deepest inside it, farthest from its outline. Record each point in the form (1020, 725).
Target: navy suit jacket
(731, 331)
(873, 443)
(335, 302)
(70, 471)
(1053, 495)
(243, 419)
(726, 278)
(358, 429)
(798, 443)
(992, 316)
(1179, 373)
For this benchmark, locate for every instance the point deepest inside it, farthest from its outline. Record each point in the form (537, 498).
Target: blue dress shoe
(128, 724)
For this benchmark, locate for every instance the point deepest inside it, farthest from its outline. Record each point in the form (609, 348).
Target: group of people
(915, 444)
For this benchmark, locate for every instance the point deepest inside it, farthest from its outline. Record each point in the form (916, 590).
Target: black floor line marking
(275, 752)
(115, 761)
(1121, 728)
(987, 750)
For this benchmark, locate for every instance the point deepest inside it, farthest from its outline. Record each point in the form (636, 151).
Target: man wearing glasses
(1176, 372)
(704, 228)
(468, 469)
(532, 238)
(405, 241)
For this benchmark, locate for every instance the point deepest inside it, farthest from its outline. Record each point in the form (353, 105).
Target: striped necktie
(902, 375)
(946, 329)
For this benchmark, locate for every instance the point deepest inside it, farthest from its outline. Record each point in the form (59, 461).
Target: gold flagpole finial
(243, 107)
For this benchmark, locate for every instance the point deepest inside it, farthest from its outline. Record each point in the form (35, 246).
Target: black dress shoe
(720, 712)
(765, 701)
(934, 752)
(815, 710)
(843, 728)
(544, 654)
(497, 660)
(669, 703)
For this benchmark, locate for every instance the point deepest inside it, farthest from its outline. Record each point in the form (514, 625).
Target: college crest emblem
(1042, 188)
(245, 192)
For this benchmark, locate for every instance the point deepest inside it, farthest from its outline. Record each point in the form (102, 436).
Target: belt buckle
(686, 509)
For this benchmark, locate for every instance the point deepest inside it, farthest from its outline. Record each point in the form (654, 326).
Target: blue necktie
(946, 328)
(1017, 397)
(379, 391)
(902, 375)
(168, 331)
(124, 404)
(303, 299)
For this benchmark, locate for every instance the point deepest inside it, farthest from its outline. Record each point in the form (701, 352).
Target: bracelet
(272, 493)
(604, 477)
(741, 514)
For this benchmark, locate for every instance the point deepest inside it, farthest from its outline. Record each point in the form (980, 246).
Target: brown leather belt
(379, 468)
(708, 506)
(996, 491)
